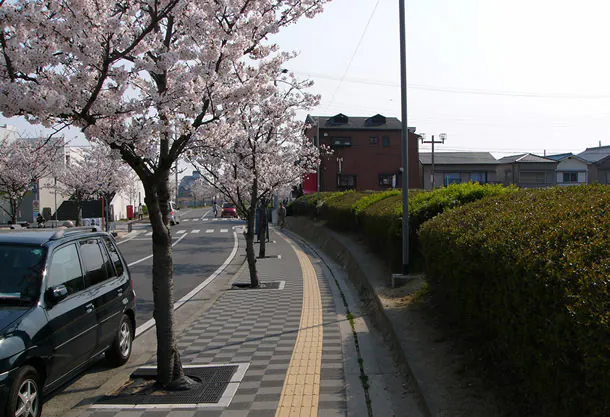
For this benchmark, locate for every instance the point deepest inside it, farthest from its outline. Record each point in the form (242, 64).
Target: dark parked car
(66, 296)
(228, 210)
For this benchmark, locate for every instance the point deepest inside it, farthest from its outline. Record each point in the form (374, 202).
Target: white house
(571, 169)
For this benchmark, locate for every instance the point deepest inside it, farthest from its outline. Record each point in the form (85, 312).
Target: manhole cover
(141, 389)
(269, 285)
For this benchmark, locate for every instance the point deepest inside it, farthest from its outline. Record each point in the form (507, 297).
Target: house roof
(454, 158)
(525, 157)
(559, 156)
(595, 154)
(343, 122)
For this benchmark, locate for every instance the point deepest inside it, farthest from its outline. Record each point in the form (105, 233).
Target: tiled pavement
(260, 327)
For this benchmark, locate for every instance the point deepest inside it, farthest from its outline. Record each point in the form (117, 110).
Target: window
(22, 268)
(341, 141)
(532, 177)
(346, 182)
(373, 140)
(570, 177)
(386, 141)
(114, 256)
(65, 270)
(95, 264)
(453, 178)
(385, 180)
(480, 177)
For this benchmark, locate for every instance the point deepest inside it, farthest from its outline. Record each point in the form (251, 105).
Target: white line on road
(209, 231)
(150, 323)
(179, 232)
(205, 214)
(224, 230)
(148, 234)
(150, 256)
(185, 220)
(195, 231)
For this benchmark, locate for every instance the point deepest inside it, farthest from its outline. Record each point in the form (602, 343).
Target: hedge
(529, 274)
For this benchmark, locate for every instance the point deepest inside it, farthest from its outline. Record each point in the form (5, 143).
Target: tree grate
(142, 391)
(270, 285)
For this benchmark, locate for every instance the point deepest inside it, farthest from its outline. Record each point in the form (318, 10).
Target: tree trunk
(263, 236)
(169, 366)
(250, 256)
(14, 203)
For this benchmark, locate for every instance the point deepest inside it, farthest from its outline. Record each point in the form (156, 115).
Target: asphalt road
(201, 245)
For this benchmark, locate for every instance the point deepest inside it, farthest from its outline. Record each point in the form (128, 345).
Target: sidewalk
(288, 338)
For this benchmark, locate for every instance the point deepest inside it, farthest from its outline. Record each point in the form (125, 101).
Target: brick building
(366, 153)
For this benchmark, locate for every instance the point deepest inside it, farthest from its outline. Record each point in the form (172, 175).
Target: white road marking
(179, 232)
(195, 231)
(209, 231)
(224, 230)
(148, 234)
(185, 220)
(150, 323)
(205, 220)
(150, 256)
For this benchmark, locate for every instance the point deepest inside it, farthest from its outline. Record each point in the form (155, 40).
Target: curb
(336, 250)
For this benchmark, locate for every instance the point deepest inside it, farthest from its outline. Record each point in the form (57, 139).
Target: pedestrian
(140, 211)
(281, 214)
(215, 209)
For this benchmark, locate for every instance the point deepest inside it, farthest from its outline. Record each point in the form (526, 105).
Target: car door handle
(89, 307)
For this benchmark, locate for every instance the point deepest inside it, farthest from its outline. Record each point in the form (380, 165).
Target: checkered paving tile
(260, 327)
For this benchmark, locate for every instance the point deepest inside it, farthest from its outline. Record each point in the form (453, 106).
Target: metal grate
(270, 285)
(214, 382)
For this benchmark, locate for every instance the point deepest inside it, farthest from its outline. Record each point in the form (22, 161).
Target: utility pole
(405, 139)
(176, 197)
(442, 137)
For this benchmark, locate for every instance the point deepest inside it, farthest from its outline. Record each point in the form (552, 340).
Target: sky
(503, 76)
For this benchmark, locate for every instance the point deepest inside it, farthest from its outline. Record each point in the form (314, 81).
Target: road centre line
(150, 323)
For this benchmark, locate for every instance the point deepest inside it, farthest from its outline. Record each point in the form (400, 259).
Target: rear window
(22, 268)
(228, 205)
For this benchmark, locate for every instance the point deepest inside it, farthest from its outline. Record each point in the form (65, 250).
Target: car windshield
(21, 276)
(228, 205)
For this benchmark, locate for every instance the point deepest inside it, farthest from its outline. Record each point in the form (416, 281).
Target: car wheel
(120, 350)
(24, 397)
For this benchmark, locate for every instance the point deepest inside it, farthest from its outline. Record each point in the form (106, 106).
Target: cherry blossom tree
(264, 151)
(22, 163)
(200, 188)
(147, 78)
(91, 173)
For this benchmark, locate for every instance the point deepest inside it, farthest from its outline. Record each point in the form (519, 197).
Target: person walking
(281, 215)
(215, 209)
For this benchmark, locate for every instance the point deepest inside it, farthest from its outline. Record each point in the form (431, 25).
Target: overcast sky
(505, 76)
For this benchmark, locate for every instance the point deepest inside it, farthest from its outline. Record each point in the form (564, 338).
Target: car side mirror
(56, 294)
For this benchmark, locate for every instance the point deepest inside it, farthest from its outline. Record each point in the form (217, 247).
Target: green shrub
(306, 205)
(528, 273)
(338, 210)
(360, 205)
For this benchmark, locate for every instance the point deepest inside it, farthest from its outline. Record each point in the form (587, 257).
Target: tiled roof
(453, 158)
(595, 154)
(559, 156)
(525, 157)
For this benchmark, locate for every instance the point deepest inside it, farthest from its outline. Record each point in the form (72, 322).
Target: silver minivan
(174, 214)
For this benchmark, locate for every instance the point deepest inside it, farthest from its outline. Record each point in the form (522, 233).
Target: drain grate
(214, 381)
(269, 285)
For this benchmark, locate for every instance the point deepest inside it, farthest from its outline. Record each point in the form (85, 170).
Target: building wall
(465, 172)
(366, 160)
(602, 172)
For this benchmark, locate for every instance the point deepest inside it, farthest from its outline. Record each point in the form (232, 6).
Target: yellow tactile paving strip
(301, 392)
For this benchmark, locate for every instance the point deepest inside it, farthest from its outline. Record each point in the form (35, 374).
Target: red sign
(310, 183)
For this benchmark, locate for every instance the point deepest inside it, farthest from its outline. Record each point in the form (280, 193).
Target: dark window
(114, 256)
(339, 119)
(480, 177)
(373, 140)
(385, 180)
(65, 270)
(570, 177)
(95, 266)
(228, 205)
(346, 182)
(453, 178)
(341, 141)
(386, 141)
(22, 268)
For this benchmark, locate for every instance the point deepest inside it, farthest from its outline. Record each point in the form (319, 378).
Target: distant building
(185, 197)
(599, 160)
(527, 171)
(457, 167)
(571, 169)
(366, 153)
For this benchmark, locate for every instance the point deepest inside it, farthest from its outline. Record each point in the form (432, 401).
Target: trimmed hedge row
(528, 273)
(378, 215)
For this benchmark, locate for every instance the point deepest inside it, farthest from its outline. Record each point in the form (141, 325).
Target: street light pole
(405, 139)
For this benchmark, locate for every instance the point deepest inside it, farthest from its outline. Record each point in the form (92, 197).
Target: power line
(355, 50)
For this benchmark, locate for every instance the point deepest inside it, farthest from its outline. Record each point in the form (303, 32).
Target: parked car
(66, 297)
(174, 214)
(228, 210)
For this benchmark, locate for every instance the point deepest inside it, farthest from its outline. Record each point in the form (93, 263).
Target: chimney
(545, 152)
(600, 143)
